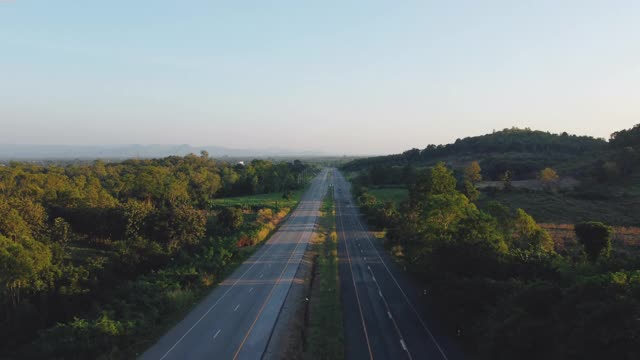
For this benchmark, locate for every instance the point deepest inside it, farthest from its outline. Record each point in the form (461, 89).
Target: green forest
(523, 152)
(499, 281)
(96, 260)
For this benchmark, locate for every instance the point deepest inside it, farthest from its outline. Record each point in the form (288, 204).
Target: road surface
(236, 320)
(382, 316)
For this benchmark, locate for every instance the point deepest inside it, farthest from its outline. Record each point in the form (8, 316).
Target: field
(623, 239)
(395, 195)
(559, 208)
(271, 200)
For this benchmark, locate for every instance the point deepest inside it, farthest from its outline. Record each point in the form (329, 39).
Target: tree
(136, 213)
(507, 180)
(187, 226)
(470, 191)
(527, 234)
(438, 180)
(60, 231)
(378, 175)
(548, 177)
(231, 218)
(595, 237)
(20, 262)
(12, 224)
(367, 199)
(442, 180)
(472, 173)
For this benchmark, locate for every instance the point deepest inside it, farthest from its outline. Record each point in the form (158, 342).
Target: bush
(595, 237)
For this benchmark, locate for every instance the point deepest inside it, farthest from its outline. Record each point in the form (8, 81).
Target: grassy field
(565, 209)
(271, 200)
(624, 240)
(396, 195)
(326, 338)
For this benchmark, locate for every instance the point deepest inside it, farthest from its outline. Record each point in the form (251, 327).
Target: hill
(522, 151)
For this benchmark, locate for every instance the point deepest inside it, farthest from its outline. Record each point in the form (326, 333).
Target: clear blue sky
(344, 76)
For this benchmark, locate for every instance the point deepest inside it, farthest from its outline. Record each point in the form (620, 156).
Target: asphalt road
(236, 320)
(383, 314)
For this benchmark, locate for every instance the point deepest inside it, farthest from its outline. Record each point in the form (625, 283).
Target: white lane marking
(374, 278)
(355, 287)
(404, 346)
(261, 276)
(293, 215)
(216, 335)
(389, 314)
(303, 235)
(377, 252)
(236, 309)
(380, 293)
(250, 290)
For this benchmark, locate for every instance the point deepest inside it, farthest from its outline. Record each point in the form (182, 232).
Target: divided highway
(381, 317)
(236, 320)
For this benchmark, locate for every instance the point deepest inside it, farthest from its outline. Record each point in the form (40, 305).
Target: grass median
(325, 333)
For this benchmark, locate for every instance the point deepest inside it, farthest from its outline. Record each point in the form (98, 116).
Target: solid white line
(389, 314)
(216, 335)
(402, 291)
(293, 216)
(404, 346)
(235, 356)
(353, 280)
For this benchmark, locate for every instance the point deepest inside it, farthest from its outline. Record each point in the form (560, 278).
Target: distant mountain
(45, 152)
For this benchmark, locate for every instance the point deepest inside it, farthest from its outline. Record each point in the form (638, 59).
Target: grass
(326, 338)
(624, 240)
(272, 200)
(395, 195)
(564, 209)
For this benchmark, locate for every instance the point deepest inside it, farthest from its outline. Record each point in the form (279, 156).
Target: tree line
(497, 279)
(523, 152)
(92, 256)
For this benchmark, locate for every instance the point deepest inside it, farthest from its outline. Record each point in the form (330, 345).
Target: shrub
(595, 237)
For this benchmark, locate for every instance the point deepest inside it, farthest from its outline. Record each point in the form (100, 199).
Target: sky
(340, 77)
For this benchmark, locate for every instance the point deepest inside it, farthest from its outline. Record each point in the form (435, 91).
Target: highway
(236, 320)
(382, 315)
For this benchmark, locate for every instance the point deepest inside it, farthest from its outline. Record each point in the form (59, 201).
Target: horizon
(360, 78)
(273, 152)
